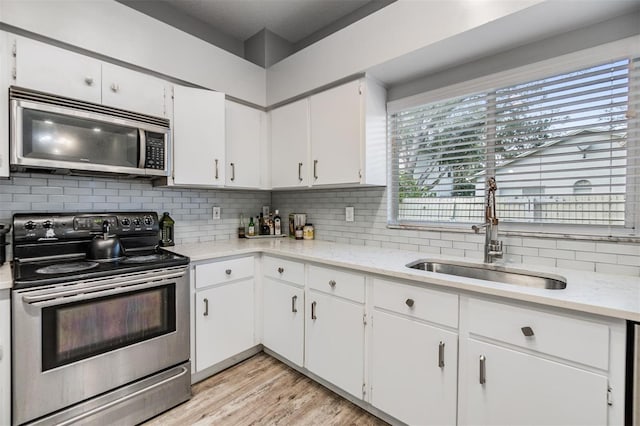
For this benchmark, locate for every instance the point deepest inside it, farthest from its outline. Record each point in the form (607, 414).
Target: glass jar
(308, 232)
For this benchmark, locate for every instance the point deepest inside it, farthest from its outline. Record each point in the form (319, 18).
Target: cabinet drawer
(339, 283)
(573, 339)
(282, 269)
(429, 305)
(223, 271)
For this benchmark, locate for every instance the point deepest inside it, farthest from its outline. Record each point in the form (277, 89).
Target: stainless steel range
(100, 319)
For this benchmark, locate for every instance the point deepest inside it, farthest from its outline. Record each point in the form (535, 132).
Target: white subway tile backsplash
(325, 209)
(618, 269)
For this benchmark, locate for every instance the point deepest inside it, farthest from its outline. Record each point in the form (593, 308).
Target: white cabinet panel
(336, 135)
(283, 320)
(243, 142)
(50, 69)
(198, 137)
(133, 91)
(5, 358)
(522, 389)
(5, 81)
(290, 166)
(414, 370)
(224, 322)
(334, 338)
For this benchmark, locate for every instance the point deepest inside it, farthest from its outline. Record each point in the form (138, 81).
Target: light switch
(349, 214)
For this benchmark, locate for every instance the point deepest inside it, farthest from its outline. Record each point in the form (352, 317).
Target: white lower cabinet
(283, 320)
(224, 314)
(5, 357)
(334, 348)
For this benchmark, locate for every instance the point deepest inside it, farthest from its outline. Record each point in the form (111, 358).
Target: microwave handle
(143, 148)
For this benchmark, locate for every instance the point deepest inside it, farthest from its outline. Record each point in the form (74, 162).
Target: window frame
(625, 48)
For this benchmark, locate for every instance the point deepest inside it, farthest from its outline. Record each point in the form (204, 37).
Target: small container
(308, 231)
(166, 230)
(241, 228)
(299, 233)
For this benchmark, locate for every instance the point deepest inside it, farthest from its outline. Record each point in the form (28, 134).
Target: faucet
(492, 246)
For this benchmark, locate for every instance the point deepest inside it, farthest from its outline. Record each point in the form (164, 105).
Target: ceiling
(229, 24)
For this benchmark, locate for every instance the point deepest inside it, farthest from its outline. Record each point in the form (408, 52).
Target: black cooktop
(51, 248)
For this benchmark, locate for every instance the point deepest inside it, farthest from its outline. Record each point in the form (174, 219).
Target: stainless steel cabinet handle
(280, 270)
(300, 172)
(206, 307)
(228, 272)
(527, 331)
(216, 160)
(409, 303)
(233, 172)
(115, 88)
(313, 311)
(294, 299)
(315, 169)
(88, 81)
(441, 355)
(483, 369)
(332, 283)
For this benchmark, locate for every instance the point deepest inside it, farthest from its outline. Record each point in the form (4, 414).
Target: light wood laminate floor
(264, 391)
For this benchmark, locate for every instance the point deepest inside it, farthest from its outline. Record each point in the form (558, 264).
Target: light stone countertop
(616, 296)
(6, 278)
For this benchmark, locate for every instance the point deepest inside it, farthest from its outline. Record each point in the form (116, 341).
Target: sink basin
(491, 273)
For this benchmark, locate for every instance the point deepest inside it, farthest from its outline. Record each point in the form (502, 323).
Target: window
(564, 149)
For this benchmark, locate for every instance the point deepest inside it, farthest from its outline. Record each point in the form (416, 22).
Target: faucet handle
(495, 248)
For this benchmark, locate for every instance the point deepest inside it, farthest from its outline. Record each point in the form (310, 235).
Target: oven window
(84, 329)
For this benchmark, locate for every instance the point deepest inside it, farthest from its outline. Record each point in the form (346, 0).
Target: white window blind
(564, 150)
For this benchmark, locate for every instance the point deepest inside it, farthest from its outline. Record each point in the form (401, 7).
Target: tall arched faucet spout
(492, 246)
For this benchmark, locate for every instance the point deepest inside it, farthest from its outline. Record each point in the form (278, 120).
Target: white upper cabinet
(336, 135)
(245, 145)
(134, 91)
(198, 137)
(290, 145)
(5, 79)
(336, 138)
(50, 69)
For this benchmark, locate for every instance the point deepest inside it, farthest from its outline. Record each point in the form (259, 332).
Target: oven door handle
(50, 298)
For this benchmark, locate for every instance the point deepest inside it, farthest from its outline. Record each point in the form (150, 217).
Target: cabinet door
(283, 321)
(521, 389)
(5, 81)
(290, 145)
(335, 341)
(414, 370)
(58, 71)
(133, 91)
(198, 137)
(224, 322)
(243, 135)
(5, 358)
(336, 135)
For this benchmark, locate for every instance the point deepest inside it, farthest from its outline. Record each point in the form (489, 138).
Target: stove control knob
(148, 220)
(30, 225)
(47, 224)
(136, 221)
(125, 221)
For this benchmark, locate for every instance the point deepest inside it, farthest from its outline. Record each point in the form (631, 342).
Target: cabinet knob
(409, 303)
(228, 272)
(115, 88)
(332, 283)
(280, 270)
(88, 81)
(527, 331)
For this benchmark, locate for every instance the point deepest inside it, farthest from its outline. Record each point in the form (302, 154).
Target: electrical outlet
(349, 214)
(216, 213)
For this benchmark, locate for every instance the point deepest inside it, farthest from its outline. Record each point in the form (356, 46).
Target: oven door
(74, 341)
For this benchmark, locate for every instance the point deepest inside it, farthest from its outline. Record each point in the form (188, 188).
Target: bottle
(272, 230)
(166, 230)
(252, 227)
(307, 231)
(299, 233)
(241, 230)
(264, 226)
(277, 224)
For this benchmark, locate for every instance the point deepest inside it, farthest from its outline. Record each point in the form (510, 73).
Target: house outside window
(564, 149)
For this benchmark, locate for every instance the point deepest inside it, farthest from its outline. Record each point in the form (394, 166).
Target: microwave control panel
(155, 151)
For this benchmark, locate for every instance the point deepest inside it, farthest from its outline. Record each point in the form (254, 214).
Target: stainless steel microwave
(64, 135)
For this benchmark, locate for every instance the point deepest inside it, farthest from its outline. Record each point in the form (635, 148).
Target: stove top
(51, 248)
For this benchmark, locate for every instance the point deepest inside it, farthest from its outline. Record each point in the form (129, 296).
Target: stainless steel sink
(491, 273)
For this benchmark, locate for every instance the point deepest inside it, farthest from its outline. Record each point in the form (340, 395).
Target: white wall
(117, 31)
